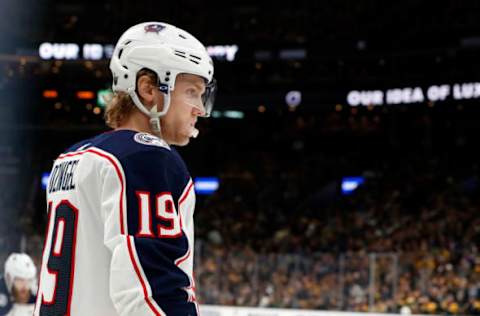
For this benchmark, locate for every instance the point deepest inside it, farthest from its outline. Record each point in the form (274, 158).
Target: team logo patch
(150, 140)
(154, 28)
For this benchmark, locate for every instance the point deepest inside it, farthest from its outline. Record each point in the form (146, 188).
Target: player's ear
(146, 89)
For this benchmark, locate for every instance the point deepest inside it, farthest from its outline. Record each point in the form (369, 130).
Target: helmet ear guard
(153, 113)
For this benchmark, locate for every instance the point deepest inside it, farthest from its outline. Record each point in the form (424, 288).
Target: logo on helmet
(154, 28)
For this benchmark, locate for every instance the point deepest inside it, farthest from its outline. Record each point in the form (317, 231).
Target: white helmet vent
(180, 53)
(193, 58)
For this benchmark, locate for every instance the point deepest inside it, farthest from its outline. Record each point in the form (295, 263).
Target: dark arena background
(338, 172)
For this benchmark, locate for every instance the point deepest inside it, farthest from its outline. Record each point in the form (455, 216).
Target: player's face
(21, 290)
(186, 106)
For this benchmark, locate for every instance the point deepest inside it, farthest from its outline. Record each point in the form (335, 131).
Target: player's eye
(192, 92)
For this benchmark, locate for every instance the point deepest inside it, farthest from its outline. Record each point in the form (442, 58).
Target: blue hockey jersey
(120, 230)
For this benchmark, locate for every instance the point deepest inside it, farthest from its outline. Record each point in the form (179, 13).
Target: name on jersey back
(62, 176)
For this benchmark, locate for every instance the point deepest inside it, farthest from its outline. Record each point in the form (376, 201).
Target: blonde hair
(121, 106)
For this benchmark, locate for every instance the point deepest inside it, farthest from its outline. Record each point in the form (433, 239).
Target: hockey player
(120, 205)
(21, 281)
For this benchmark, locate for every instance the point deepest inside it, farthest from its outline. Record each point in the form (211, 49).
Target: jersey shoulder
(143, 153)
(122, 143)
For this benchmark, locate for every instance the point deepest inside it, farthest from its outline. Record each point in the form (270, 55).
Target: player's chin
(182, 140)
(23, 297)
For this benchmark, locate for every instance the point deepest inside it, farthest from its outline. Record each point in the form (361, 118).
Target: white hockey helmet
(20, 265)
(167, 51)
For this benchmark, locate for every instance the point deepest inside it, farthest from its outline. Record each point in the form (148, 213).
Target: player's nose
(199, 110)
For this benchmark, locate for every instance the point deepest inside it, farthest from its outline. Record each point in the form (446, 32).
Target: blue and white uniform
(120, 230)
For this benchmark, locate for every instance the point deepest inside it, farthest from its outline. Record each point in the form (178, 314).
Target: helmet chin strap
(155, 121)
(153, 113)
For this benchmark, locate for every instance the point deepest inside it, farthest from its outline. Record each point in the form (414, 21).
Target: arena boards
(213, 310)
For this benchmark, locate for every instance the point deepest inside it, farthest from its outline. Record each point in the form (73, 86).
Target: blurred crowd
(406, 246)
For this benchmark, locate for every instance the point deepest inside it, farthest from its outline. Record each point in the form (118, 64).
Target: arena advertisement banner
(95, 51)
(415, 94)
